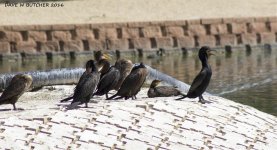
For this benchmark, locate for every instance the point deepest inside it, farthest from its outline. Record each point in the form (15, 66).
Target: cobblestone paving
(160, 123)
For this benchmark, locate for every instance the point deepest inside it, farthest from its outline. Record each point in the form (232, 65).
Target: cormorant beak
(107, 56)
(211, 52)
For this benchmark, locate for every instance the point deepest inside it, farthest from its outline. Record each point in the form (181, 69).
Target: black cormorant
(108, 81)
(86, 85)
(114, 77)
(202, 80)
(161, 91)
(18, 85)
(124, 66)
(132, 83)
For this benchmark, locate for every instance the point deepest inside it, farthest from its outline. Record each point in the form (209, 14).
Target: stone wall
(34, 39)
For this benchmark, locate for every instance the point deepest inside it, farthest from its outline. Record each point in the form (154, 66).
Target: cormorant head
(97, 55)
(205, 52)
(122, 64)
(90, 66)
(154, 83)
(137, 66)
(26, 77)
(104, 63)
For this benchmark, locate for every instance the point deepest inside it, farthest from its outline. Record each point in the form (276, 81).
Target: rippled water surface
(248, 77)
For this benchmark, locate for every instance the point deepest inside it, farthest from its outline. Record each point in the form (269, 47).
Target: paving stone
(178, 146)
(136, 145)
(60, 130)
(38, 146)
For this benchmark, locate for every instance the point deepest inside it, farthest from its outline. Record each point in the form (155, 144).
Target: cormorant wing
(109, 79)
(17, 86)
(198, 80)
(130, 82)
(81, 81)
(163, 90)
(86, 86)
(135, 80)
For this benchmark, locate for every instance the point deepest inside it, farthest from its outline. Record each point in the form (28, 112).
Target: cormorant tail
(66, 99)
(110, 98)
(184, 96)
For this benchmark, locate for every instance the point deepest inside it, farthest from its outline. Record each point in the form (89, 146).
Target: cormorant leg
(14, 108)
(86, 105)
(202, 100)
(107, 96)
(181, 97)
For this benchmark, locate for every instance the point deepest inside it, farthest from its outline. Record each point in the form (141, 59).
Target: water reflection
(248, 76)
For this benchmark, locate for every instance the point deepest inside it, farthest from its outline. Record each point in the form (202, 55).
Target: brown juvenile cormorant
(108, 81)
(103, 64)
(132, 83)
(161, 91)
(202, 80)
(86, 85)
(124, 66)
(18, 85)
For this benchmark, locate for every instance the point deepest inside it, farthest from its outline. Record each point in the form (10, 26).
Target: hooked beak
(107, 56)
(211, 52)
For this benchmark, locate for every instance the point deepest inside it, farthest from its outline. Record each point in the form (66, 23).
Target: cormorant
(132, 83)
(86, 85)
(114, 77)
(202, 80)
(108, 81)
(161, 91)
(103, 64)
(19, 84)
(124, 66)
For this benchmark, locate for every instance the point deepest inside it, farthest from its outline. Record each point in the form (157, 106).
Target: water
(246, 77)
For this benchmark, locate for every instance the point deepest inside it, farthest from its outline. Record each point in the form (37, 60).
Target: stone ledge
(138, 124)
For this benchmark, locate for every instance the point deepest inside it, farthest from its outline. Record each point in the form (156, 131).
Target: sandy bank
(95, 11)
(138, 124)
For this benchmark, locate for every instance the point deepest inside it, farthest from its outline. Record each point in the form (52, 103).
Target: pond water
(248, 77)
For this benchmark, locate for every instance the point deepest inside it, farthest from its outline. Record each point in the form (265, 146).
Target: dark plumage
(202, 80)
(124, 66)
(86, 85)
(132, 83)
(113, 78)
(108, 81)
(18, 85)
(161, 91)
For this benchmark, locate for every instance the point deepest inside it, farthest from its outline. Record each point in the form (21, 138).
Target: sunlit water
(246, 77)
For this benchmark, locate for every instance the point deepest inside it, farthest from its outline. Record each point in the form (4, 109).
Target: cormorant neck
(204, 61)
(106, 67)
